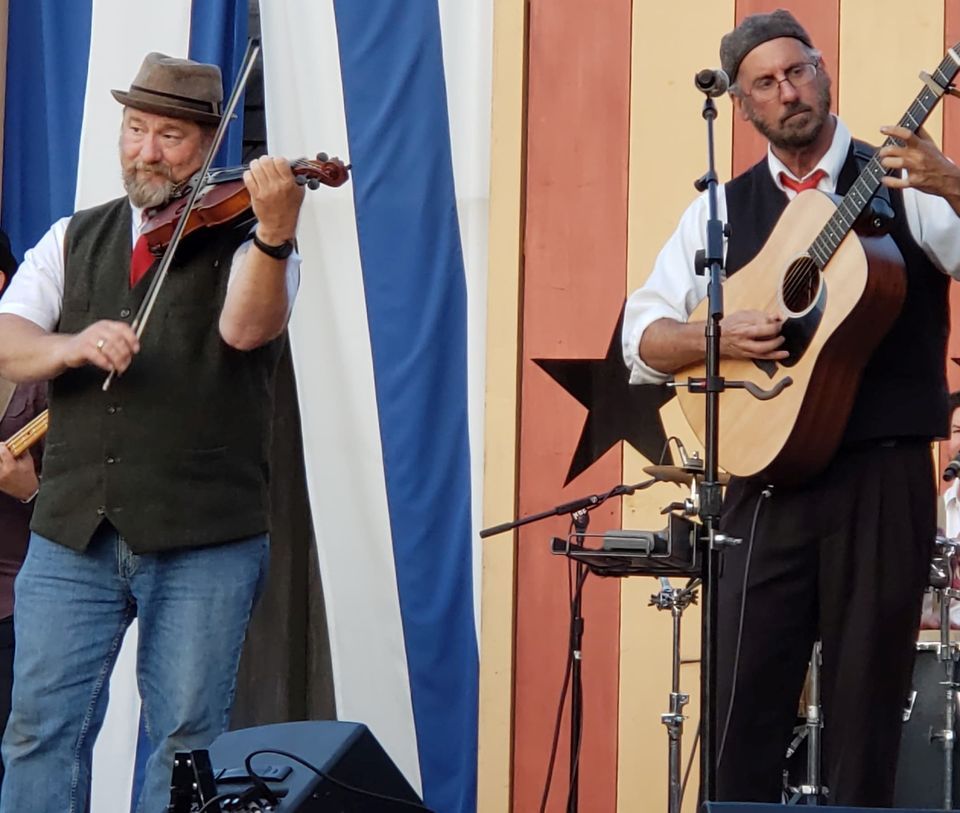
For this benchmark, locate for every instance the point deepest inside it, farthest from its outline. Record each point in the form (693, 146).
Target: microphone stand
(579, 516)
(710, 260)
(710, 493)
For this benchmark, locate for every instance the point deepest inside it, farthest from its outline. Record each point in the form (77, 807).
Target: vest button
(111, 461)
(111, 409)
(124, 313)
(101, 511)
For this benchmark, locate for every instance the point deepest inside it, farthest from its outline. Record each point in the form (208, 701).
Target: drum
(920, 768)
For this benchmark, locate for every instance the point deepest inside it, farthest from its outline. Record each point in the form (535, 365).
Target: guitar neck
(29, 434)
(868, 182)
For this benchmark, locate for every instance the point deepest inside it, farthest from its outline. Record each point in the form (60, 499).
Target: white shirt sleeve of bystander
(672, 290)
(36, 291)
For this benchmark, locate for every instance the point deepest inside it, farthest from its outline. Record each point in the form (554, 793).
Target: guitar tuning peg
(322, 156)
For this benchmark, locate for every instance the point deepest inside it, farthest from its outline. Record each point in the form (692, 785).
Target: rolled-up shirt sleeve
(935, 227)
(672, 290)
(36, 291)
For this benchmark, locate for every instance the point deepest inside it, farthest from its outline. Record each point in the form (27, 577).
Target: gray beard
(147, 193)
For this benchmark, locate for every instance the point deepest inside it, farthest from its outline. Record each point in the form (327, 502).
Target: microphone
(712, 81)
(952, 469)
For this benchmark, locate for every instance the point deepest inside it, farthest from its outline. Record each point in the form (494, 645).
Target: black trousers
(844, 558)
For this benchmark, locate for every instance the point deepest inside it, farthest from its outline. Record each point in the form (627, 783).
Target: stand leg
(576, 688)
(708, 675)
(814, 726)
(676, 601)
(948, 735)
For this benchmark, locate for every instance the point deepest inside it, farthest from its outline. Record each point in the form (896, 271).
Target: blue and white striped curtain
(387, 333)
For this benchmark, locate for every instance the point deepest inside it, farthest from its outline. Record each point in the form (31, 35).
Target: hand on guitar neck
(925, 167)
(668, 345)
(18, 472)
(18, 475)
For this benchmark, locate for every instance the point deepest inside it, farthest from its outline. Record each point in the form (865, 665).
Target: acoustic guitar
(838, 293)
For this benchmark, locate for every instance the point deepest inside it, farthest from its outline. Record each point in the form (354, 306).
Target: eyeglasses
(767, 88)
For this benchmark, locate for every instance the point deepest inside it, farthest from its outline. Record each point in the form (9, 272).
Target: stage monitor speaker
(355, 775)
(752, 807)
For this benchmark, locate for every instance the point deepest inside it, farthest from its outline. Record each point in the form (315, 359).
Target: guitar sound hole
(801, 284)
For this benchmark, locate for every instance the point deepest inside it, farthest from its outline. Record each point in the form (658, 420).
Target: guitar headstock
(324, 170)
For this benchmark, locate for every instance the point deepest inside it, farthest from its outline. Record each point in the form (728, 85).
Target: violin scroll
(325, 170)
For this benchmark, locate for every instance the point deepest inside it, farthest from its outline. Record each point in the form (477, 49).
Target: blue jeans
(71, 612)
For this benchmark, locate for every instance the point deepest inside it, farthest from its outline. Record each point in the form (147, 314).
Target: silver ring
(100, 344)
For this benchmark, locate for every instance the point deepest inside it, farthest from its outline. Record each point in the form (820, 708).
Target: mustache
(156, 168)
(796, 107)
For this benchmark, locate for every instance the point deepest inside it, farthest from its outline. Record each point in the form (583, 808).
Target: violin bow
(139, 322)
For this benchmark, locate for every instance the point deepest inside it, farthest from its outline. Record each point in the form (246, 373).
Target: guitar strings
(800, 275)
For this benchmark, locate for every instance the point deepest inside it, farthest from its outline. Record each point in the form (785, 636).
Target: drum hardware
(811, 792)
(676, 601)
(681, 475)
(947, 655)
(910, 790)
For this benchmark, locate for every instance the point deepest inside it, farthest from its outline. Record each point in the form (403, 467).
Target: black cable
(766, 493)
(568, 670)
(247, 763)
(556, 733)
(575, 768)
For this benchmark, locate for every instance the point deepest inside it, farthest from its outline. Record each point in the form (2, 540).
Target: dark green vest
(175, 453)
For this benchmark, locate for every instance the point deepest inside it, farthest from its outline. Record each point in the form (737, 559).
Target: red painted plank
(575, 246)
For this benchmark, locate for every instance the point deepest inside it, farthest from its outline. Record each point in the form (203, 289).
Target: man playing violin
(845, 555)
(154, 498)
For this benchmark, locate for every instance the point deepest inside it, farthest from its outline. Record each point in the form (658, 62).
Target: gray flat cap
(755, 30)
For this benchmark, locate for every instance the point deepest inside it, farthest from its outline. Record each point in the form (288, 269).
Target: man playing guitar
(843, 554)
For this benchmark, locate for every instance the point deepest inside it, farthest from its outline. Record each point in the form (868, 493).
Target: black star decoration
(616, 409)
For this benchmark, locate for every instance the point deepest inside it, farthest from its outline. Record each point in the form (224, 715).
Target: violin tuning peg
(322, 156)
(300, 179)
(313, 183)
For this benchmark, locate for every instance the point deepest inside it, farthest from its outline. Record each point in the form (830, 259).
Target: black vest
(903, 392)
(175, 453)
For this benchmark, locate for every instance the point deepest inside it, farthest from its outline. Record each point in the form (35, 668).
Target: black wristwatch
(281, 252)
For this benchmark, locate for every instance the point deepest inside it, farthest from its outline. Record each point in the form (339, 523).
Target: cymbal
(676, 474)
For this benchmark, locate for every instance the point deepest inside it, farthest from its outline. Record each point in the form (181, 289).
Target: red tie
(140, 260)
(810, 182)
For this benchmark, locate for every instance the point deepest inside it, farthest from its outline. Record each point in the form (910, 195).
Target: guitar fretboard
(868, 182)
(28, 434)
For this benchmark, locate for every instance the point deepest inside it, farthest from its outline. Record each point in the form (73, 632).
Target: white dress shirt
(36, 290)
(674, 289)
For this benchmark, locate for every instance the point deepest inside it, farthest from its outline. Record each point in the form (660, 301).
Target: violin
(224, 198)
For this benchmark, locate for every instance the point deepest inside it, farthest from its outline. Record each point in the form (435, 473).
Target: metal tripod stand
(676, 601)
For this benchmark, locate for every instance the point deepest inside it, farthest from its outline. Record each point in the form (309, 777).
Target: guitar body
(832, 320)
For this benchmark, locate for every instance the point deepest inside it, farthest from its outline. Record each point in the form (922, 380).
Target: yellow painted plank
(667, 153)
(498, 600)
(882, 50)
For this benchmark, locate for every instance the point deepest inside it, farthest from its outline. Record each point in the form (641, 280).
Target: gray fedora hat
(180, 88)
